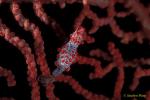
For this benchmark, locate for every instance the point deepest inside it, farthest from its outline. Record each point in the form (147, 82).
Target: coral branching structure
(74, 50)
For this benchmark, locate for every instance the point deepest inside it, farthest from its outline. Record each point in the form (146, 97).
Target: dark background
(11, 58)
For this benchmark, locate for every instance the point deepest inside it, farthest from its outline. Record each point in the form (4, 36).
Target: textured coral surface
(112, 63)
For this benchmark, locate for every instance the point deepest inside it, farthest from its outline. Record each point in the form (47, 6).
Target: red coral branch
(85, 47)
